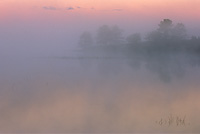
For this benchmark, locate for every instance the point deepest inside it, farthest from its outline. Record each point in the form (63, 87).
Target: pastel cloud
(70, 8)
(50, 8)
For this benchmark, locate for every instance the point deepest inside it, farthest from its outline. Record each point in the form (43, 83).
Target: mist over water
(99, 94)
(108, 84)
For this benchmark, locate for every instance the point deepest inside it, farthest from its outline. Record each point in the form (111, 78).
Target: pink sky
(32, 9)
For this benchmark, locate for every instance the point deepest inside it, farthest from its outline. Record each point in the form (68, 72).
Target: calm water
(100, 95)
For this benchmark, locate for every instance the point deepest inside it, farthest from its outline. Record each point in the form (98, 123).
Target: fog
(99, 79)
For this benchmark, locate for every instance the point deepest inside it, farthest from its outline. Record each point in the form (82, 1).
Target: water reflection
(100, 94)
(166, 65)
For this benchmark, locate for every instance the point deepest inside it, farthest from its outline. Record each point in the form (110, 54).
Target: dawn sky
(186, 8)
(36, 10)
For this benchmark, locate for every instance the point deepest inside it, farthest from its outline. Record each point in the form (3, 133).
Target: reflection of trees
(109, 67)
(165, 65)
(165, 51)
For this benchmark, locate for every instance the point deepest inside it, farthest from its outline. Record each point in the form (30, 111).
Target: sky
(71, 9)
(57, 24)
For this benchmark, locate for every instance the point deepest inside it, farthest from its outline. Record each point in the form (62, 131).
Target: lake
(152, 94)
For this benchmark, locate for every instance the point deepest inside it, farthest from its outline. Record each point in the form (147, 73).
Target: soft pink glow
(33, 9)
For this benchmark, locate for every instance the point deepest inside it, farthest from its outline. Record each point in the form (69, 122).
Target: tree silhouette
(86, 40)
(179, 31)
(165, 26)
(134, 39)
(109, 35)
(167, 34)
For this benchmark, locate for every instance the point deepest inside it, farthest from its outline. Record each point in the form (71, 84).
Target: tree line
(168, 37)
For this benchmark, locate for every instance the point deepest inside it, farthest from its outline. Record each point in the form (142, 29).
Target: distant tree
(116, 35)
(167, 33)
(162, 33)
(179, 31)
(86, 40)
(165, 26)
(103, 35)
(194, 44)
(134, 39)
(165, 29)
(109, 35)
